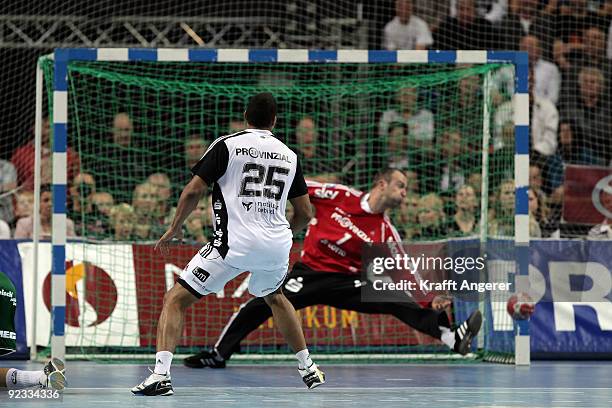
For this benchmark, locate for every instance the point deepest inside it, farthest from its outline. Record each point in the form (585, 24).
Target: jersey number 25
(254, 175)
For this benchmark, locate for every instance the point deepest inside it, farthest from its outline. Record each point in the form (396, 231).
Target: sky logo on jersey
(254, 153)
(247, 206)
(326, 194)
(91, 294)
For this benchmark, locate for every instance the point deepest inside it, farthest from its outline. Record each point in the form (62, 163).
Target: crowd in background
(570, 89)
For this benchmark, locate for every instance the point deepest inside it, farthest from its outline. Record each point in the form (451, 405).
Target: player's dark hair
(385, 174)
(261, 110)
(45, 188)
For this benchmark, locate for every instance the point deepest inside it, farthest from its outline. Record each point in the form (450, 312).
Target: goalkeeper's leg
(426, 320)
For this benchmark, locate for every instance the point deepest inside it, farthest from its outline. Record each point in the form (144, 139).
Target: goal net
(135, 129)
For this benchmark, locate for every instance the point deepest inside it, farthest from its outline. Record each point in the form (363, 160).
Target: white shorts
(207, 272)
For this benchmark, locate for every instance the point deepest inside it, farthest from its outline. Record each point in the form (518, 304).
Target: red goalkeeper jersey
(343, 223)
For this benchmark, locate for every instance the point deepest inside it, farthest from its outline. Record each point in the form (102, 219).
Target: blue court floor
(544, 384)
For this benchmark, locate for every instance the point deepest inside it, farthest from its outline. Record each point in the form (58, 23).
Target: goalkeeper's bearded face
(395, 190)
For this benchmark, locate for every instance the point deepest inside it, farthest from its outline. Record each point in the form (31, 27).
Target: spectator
(523, 20)
(5, 231)
(534, 226)
(420, 121)
(572, 150)
(315, 165)
(80, 206)
(432, 220)
(546, 75)
(467, 99)
(591, 112)
(593, 51)
(491, 10)
(538, 212)
(121, 164)
(535, 176)
(24, 204)
(23, 160)
(407, 216)
(573, 20)
(199, 221)
(122, 220)
(25, 226)
(412, 181)
(446, 173)
(103, 202)
(502, 215)
(81, 189)
(195, 146)
(8, 182)
(464, 221)
(475, 180)
(406, 31)
(544, 122)
(161, 182)
(547, 78)
(146, 206)
(466, 31)
(590, 54)
(102, 205)
(397, 145)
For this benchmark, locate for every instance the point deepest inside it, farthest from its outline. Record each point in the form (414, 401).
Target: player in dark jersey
(253, 174)
(52, 374)
(329, 270)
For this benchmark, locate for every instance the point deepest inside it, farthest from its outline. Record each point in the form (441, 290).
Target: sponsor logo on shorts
(294, 284)
(247, 206)
(5, 334)
(218, 205)
(201, 274)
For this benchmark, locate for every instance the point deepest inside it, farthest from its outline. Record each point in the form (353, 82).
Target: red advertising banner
(323, 325)
(587, 194)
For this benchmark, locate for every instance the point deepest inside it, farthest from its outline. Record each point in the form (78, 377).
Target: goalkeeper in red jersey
(330, 266)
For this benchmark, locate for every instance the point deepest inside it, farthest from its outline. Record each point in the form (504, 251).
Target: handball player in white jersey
(253, 174)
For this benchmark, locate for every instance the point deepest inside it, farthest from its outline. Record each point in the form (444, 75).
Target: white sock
(304, 359)
(16, 379)
(448, 337)
(163, 359)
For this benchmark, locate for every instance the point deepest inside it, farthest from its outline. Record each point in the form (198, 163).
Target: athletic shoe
(466, 332)
(206, 358)
(312, 376)
(154, 385)
(53, 375)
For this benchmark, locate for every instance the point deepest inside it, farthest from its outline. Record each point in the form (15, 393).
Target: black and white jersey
(254, 174)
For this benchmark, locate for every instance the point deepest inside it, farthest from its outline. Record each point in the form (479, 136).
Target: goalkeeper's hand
(164, 241)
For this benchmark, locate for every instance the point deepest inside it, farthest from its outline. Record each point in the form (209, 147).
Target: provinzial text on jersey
(254, 153)
(345, 222)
